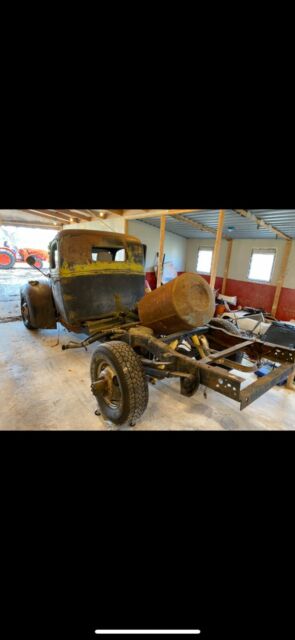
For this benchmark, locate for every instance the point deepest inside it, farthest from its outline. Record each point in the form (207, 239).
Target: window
(120, 256)
(261, 265)
(204, 260)
(100, 254)
(53, 256)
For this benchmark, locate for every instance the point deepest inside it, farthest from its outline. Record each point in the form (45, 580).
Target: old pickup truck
(96, 286)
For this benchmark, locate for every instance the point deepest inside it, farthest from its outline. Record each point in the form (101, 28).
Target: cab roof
(95, 232)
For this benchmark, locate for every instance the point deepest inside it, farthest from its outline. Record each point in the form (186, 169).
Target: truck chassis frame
(160, 360)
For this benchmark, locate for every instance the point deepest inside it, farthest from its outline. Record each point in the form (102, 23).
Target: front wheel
(25, 313)
(119, 383)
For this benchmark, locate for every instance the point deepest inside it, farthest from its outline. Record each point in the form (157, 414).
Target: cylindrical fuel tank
(183, 304)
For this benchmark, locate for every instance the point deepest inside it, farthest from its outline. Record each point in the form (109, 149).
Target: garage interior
(246, 256)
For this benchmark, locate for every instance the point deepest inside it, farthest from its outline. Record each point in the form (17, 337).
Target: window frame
(53, 250)
(271, 251)
(201, 248)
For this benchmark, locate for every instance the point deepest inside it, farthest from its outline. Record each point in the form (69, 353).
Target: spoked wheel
(25, 312)
(119, 383)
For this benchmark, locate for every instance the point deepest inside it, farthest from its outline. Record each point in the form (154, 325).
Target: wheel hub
(111, 390)
(4, 259)
(25, 311)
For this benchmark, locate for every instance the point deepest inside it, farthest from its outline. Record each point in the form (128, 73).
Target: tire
(226, 325)
(25, 313)
(7, 259)
(231, 328)
(125, 395)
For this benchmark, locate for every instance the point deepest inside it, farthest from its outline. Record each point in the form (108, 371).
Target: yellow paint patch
(132, 268)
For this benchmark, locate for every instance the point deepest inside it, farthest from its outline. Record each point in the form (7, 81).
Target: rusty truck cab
(95, 274)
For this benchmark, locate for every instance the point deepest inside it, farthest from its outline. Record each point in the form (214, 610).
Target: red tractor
(10, 255)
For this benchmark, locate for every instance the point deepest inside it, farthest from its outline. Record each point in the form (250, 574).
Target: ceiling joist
(82, 214)
(261, 223)
(38, 225)
(47, 213)
(65, 216)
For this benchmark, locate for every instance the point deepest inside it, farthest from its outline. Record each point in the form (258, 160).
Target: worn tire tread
(27, 323)
(226, 325)
(129, 365)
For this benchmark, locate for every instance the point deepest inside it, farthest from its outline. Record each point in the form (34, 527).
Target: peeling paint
(67, 271)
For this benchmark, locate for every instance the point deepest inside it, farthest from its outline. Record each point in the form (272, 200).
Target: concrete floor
(43, 387)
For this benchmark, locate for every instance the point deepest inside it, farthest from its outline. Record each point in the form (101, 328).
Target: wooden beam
(216, 251)
(87, 216)
(39, 225)
(126, 224)
(227, 263)
(107, 212)
(95, 215)
(281, 277)
(156, 213)
(265, 225)
(101, 214)
(161, 251)
(44, 214)
(65, 213)
(117, 212)
(196, 225)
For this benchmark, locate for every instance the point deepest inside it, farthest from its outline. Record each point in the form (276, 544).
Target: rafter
(107, 212)
(96, 213)
(45, 213)
(65, 215)
(39, 225)
(259, 221)
(83, 214)
(60, 212)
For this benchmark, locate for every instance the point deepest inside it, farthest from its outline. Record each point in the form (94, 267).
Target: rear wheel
(7, 259)
(25, 312)
(122, 389)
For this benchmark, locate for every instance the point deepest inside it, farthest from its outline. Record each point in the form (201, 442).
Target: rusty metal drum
(183, 304)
